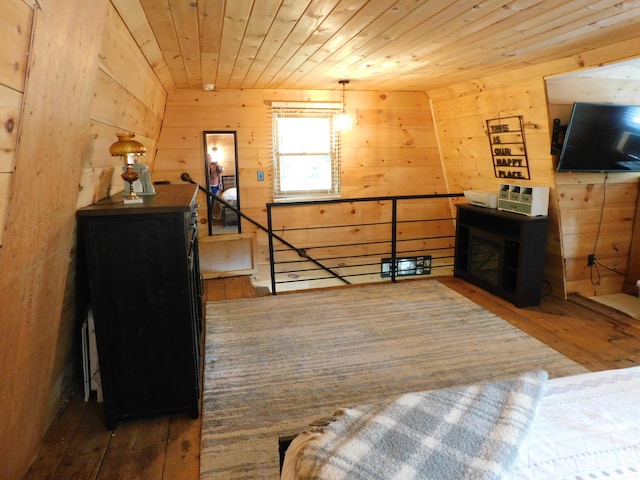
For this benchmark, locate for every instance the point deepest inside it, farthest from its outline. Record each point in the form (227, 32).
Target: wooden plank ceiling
(412, 45)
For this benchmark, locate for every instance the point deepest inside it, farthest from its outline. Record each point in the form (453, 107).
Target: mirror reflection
(221, 167)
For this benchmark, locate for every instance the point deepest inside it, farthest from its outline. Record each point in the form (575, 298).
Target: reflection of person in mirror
(215, 176)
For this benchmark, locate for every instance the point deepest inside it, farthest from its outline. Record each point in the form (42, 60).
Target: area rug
(275, 364)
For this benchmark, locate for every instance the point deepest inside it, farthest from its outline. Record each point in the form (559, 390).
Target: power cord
(592, 261)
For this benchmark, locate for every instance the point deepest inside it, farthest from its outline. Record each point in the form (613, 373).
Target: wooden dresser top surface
(168, 198)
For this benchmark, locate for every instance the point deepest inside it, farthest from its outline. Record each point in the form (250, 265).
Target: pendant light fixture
(343, 120)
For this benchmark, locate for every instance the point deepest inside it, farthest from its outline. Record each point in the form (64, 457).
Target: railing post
(272, 264)
(394, 218)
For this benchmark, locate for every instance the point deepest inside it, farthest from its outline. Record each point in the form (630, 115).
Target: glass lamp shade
(344, 121)
(127, 147)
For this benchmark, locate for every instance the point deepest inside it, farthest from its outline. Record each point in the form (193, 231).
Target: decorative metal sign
(508, 149)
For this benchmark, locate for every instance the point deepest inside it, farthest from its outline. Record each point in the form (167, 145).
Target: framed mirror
(221, 172)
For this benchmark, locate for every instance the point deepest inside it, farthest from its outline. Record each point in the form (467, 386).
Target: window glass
(294, 135)
(306, 146)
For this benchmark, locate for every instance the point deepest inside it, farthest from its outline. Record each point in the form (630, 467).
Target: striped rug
(275, 364)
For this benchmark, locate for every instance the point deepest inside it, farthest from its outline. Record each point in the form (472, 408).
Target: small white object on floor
(629, 304)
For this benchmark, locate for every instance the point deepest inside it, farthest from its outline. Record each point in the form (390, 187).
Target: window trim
(307, 109)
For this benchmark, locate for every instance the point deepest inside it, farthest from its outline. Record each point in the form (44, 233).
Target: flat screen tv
(601, 138)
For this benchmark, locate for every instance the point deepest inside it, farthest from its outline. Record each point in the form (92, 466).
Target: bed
(579, 427)
(229, 217)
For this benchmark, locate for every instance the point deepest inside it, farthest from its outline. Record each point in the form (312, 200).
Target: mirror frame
(210, 201)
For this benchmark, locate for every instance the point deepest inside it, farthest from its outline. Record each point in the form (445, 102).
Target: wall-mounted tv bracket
(557, 137)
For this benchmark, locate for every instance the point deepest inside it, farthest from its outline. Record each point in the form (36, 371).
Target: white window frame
(328, 111)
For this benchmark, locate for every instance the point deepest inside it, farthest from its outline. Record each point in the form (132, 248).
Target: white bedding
(587, 428)
(230, 194)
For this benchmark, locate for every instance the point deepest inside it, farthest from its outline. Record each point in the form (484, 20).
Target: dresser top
(168, 198)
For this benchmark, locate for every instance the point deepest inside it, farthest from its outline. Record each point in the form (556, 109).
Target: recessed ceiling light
(208, 86)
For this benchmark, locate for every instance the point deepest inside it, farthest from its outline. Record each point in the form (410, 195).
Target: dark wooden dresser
(146, 296)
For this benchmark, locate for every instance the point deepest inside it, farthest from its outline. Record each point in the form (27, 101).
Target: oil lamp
(129, 149)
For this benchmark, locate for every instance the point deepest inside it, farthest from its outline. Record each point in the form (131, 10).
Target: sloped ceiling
(376, 44)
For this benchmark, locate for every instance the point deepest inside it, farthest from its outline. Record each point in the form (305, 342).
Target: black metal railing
(383, 238)
(387, 237)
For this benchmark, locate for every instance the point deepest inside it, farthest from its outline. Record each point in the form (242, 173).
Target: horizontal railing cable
(370, 254)
(310, 258)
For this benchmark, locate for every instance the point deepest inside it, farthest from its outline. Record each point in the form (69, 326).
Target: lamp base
(130, 175)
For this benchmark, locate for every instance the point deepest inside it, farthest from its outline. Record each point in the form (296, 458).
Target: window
(306, 147)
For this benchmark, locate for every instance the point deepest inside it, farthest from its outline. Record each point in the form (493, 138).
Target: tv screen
(602, 138)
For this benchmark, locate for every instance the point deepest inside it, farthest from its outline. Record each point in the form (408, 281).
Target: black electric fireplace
(502, 252)
(485, 259)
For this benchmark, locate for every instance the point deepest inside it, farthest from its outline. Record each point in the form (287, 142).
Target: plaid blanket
(456, 433)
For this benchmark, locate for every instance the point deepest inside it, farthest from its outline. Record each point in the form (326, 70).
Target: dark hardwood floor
(78, 446)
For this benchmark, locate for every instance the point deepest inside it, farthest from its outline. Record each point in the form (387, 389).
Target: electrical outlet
(591, 260)
(260, 176)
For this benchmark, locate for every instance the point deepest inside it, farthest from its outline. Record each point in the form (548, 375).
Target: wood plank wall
(40, 214)
(88, 81)
(585, 198)
(461, 124)
(15, 23)
(460, 113)
(128, 97)
(391, 149)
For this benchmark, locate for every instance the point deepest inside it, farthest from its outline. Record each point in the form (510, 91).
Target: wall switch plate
(260, 176)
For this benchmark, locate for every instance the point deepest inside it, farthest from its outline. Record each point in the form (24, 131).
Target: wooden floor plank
(137, 450)
(214, 289)
(238, 287)
(525, 320)
(586, 336)
(183, 449)
(59, 438)
(87, 450)
(577, 330)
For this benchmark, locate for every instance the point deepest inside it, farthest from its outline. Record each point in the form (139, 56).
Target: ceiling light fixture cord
(344, 84)
(344, 120)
